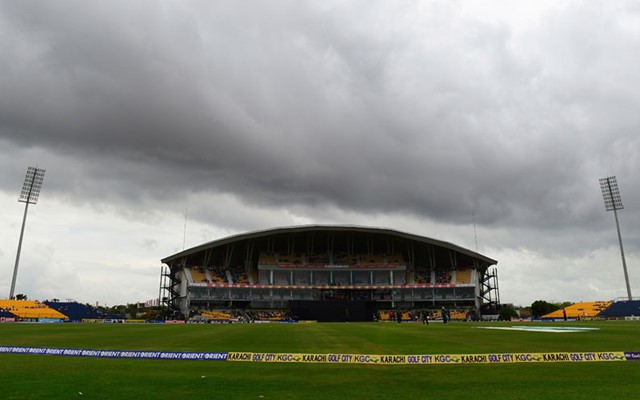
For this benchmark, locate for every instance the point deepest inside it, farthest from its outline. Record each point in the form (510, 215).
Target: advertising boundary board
(431, 359)
(147, 354)
(369, 359)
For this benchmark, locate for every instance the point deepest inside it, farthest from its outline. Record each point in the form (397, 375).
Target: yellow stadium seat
(30, 309)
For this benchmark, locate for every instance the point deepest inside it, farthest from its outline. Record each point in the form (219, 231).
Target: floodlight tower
(29, 195)
(613, 202)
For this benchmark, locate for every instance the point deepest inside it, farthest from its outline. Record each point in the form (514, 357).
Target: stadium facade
(328, 265)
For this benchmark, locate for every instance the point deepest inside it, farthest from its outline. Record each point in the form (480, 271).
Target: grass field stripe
(547, 329)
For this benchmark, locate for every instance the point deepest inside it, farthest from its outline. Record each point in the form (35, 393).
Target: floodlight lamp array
(32, 185)
(611, 193)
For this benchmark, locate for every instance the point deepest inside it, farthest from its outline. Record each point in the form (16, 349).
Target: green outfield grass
(54, 377)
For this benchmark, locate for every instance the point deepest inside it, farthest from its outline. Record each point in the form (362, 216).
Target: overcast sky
(420, 116)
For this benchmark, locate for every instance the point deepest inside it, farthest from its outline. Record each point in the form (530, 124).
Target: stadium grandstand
(32, 310)
(330, 272)
(77, 312)
(621, 308)
(587, 309)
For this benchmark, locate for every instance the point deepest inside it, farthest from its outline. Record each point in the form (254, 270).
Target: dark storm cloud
(369, 108)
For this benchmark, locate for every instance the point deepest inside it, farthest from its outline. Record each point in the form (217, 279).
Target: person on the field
(444, 315)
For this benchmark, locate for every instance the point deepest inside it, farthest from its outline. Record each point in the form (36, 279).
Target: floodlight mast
(613, 202)
(29, 195)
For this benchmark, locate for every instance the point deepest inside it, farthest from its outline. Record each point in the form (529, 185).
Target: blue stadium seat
(622, 309)
(78, 312)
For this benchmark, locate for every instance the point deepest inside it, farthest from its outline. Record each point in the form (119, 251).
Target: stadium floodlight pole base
(624, 262)
(15, 268)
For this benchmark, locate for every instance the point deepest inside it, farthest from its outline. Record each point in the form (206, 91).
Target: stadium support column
(476, 289)
(160, 288)
(183, 290)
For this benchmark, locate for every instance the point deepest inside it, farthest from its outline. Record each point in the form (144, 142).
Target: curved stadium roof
(327, 228)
